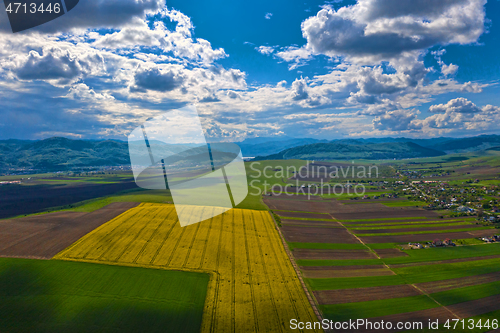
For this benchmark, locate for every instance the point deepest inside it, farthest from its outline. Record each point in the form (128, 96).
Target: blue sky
(365, 68)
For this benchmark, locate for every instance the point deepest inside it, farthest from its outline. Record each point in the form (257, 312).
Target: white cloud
(374, 30)
(266, 50)
(458, 105)
(268, 16)
(398, 120)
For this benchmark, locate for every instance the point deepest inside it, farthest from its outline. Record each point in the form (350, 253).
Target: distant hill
(463, 145)
(342, 151)
(62, 153)
(58, 153)
(273, 145)
(266, 146)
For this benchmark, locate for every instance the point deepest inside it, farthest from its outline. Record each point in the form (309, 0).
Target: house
(437, 242)
(448, 242)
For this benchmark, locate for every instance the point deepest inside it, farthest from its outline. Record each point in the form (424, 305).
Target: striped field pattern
(253, 286)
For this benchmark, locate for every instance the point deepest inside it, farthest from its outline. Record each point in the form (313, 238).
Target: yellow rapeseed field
(253, 287)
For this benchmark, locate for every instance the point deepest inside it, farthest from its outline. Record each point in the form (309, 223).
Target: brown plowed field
(304, 215)
(336, 273)
(425, 237)
(437, 286)
(476, 307)
(390, 253)
(332, 254)
(402, 213)
(364, 294)
(300, 205)
(312, 223)
(44, 236)
(340, 268)
(383, 231)
(293, 197)
(318, 235)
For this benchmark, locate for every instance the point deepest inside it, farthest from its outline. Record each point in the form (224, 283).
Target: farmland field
(253, 285)
(61, 296)
(353, 262)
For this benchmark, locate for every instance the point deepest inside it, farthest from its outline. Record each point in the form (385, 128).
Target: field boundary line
(435, 301)
(280, 268)
(412, 285)
(150, 238)
(311, 299)
(249, 266)
(264, 268)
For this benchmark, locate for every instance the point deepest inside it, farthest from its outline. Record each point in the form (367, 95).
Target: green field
(62, 296)
(413, 225)
(370, 309)
(425, 232)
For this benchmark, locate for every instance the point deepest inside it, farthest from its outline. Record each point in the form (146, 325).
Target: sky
(317, 69)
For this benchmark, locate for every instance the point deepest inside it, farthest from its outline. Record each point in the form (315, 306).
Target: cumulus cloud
(98, 14)
(154, 79)
(268, 16)
(266, 50)
(374, 30)
(397, 120)
(457, 114)
(56, 65)
(458, 105)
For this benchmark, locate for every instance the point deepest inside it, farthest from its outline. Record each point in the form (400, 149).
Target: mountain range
(58, 153)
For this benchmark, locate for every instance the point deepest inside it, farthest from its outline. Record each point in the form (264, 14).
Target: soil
(437, 286)
(318, 235)
(332, 254)
(364, 294)
(43, 236)
(316, 206)
(390, 253)
(321, 274)
(304, 215)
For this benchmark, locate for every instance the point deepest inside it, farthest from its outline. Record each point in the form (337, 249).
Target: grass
(352, 194)
(423, 232)
(357, 282)
(386, 219)
(59, 296)
(370, 309)
(241, 248)
(134, 195)
(405, 204)
(466, 294)
(325, 246)
(413, 225)
(380, 246)
(427, 273)
(468, 241)
(447, 253)
(428, 222)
